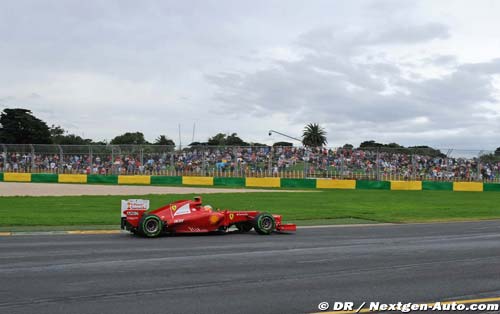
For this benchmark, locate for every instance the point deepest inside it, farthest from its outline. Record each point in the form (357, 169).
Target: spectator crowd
(258, 161)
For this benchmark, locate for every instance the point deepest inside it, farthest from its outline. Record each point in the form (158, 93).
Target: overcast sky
(411, 72)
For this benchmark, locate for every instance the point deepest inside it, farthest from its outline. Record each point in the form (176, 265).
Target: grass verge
(323, 207)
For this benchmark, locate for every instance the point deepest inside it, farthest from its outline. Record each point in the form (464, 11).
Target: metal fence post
(171, 159)
(341, 163)
(412, 175)
(270, 166)
(112, 159)
(304, 160)
(4, 154)
(61, 159)
(377, 163)
(32, 157)
(142, 158)
(479, 174)
(91, 160)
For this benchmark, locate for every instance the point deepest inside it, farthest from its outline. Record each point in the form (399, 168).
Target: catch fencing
(377, 163)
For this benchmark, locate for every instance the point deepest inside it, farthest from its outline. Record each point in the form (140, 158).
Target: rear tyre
(244, 226)
(150, 226)
(264, 224)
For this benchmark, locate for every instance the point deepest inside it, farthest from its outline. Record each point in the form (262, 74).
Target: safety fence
(249, 182)
(381, 164)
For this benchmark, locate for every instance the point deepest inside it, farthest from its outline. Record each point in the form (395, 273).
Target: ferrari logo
(174, 208)
(231, 216)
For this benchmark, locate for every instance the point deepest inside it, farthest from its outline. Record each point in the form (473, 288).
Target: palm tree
(314, 135)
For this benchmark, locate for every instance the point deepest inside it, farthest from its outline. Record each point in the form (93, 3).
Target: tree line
(20, 126)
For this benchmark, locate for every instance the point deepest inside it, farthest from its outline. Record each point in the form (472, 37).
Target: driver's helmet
(208, 208)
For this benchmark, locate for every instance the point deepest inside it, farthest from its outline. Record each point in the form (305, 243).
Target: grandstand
(249, 161)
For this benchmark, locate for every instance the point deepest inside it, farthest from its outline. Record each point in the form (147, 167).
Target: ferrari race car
(190, 216)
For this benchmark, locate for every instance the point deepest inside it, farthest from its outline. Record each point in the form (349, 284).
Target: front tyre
(264, 224)
(150, 226)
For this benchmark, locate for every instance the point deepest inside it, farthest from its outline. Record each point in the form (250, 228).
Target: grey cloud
(411, 34)
(369, 95)
(487, 68)
(441, 60)
(347, 39)
(100, 66)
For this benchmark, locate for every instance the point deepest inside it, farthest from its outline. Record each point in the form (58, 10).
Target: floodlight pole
(288, 136)
(291, 137)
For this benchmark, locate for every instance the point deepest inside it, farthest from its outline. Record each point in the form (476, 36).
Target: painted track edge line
(69, 232)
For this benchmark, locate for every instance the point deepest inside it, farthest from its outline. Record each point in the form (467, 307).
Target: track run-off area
(248, 273)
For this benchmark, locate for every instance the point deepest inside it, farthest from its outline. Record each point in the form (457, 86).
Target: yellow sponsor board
(17, 177)
(468, 186)
(72, 178)
(198, 180)
(263, 182)
(406, 185)
(134, 179)
(335, 184)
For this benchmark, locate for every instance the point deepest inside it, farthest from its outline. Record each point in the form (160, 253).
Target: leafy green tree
(56, 130)
(221, 139)
(71, 139)
(348, 146)
(282, 144)
(129, 138)
(497, 152)
(425, 150)
(489, 158)
(257, 144)
(163, 140)
(234, 140)
(217, 140)
(314, 135)
(198, 144)
(20, 126)
(58, 136)
(370, 144)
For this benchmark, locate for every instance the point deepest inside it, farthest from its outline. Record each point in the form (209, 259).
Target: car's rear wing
(132, 210)
(134, 204)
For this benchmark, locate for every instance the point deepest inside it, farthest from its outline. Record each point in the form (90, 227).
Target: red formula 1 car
(186, 216)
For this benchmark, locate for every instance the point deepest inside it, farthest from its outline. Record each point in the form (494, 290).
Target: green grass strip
(437, 186)
(165, 180)
(373, 185)
(233, 182)
(371, 205)
(100, 179)
(44, 178)
(298, 183)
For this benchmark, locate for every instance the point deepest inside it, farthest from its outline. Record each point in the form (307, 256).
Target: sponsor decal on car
(183, 210)
(135, 204)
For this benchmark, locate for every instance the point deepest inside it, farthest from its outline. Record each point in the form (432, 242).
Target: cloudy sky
(411, 72)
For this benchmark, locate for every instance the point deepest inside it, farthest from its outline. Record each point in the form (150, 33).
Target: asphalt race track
(248, 273)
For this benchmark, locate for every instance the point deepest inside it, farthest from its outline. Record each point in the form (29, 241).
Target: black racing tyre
(150, 226)
(264, 224)
(244, 226)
